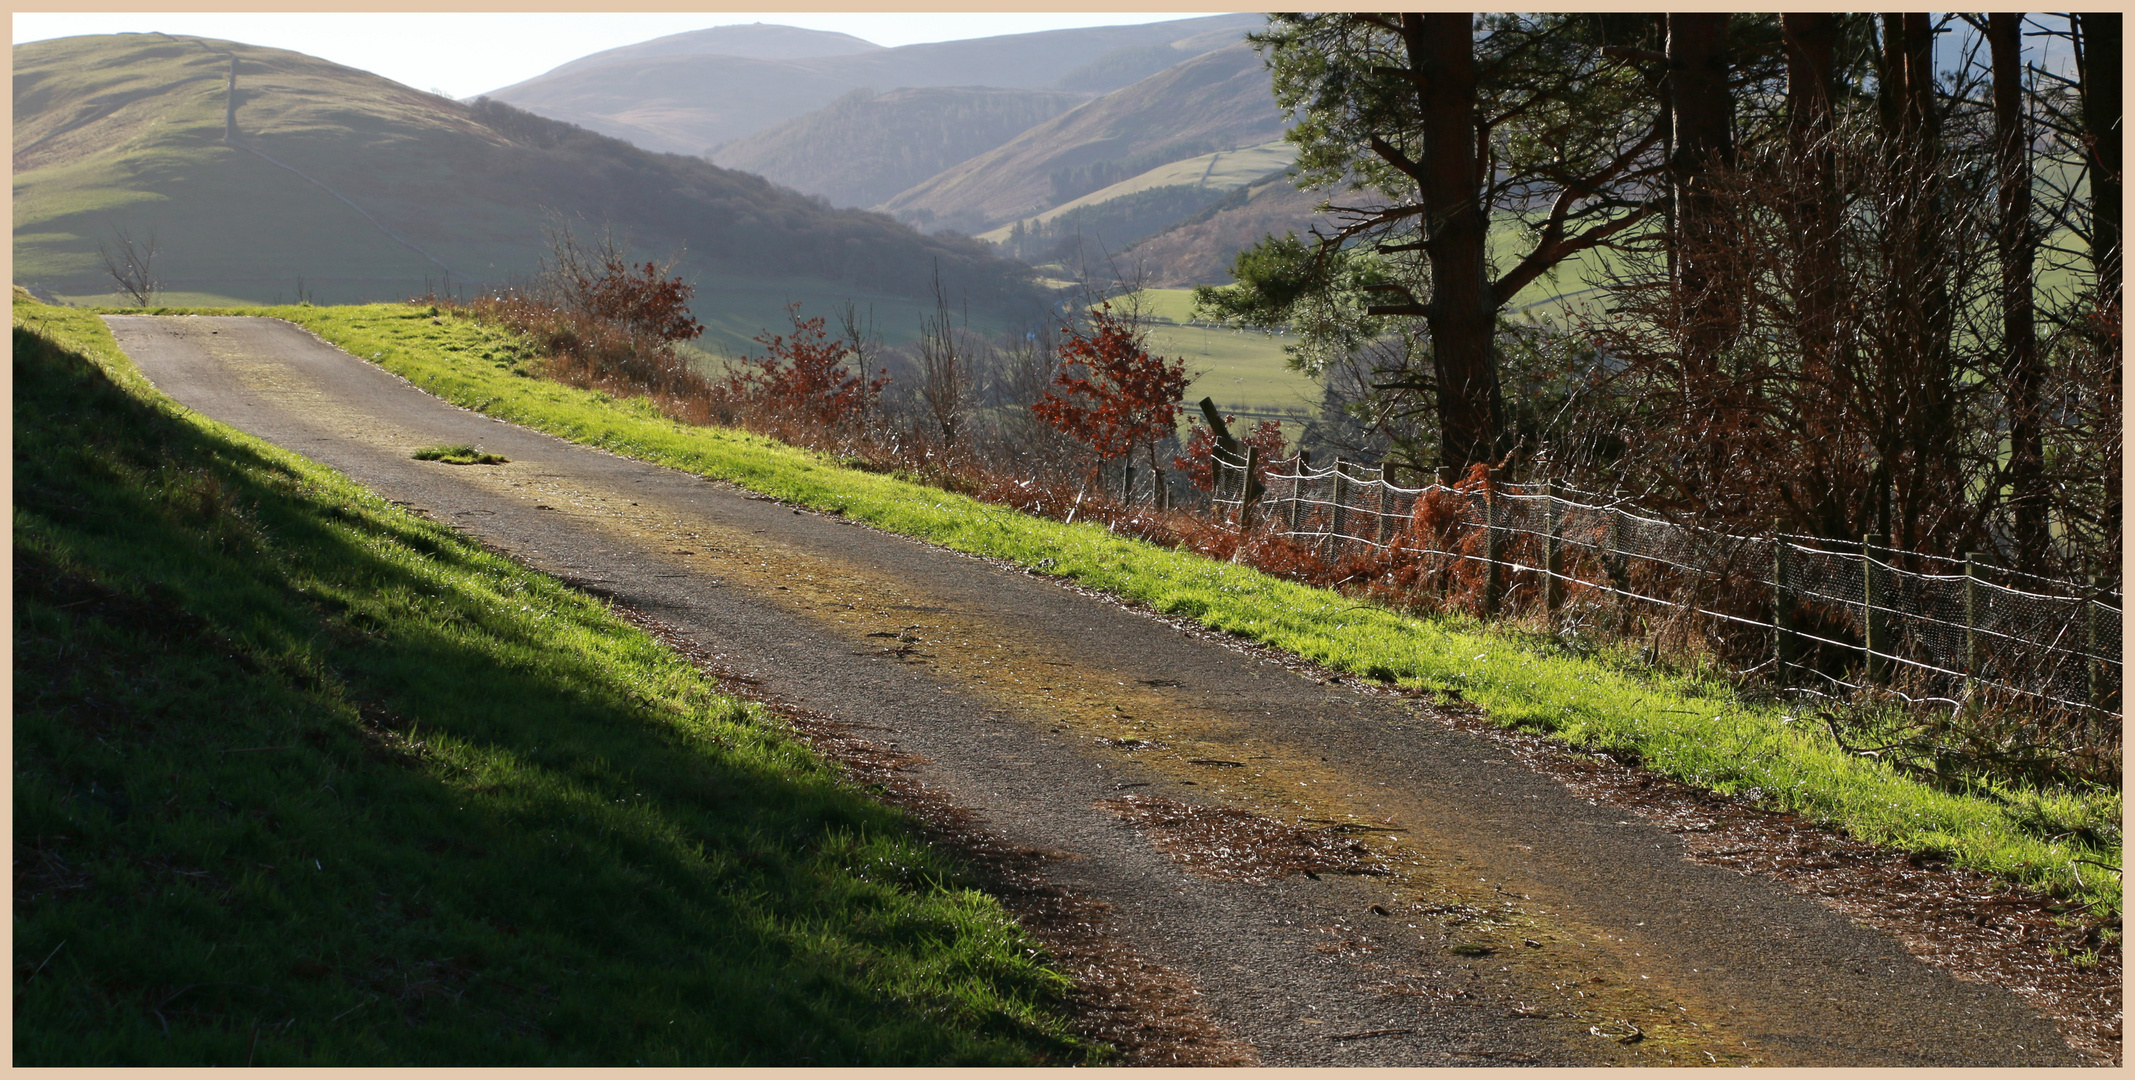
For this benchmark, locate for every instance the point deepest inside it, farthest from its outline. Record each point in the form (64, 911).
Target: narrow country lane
(1509, 919)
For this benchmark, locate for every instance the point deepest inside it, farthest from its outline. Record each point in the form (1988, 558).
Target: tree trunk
(1916, 391)
(1906, 91)
(2099, 34)
(1462, 311)
(1811, 48)
(2014, 246)
(1702, 117)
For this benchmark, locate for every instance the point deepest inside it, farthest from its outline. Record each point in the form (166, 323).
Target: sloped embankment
(301, 778)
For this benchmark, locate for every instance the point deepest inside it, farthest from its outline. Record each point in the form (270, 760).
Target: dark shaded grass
(302, 779)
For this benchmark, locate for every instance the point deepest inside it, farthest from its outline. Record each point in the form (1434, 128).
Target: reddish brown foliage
(1197, 462)
(804, 376)
(1110, 394)
(642, 298)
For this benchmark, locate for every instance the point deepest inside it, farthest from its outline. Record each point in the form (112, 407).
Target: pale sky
(467, 53)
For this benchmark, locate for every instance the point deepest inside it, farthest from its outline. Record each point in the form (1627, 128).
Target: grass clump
(1683, 725)
(302, 779)
(461, 454)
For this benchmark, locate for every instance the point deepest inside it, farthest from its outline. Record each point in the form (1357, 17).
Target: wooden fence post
(1786, 648)
(1553, 551)
(1386, 500)
(1247, 496)
(1338, 518)
(1875, 623)
(1297, 491)
(1493, 549)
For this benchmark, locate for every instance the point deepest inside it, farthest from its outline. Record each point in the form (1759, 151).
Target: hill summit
(340, 184)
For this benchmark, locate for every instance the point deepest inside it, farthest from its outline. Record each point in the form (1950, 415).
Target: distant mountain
(1200, 250)
(1219, 100)
(685, 100)
(865, 147)
(754, 41)
(349, 186)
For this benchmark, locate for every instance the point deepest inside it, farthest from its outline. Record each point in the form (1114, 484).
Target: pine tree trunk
(1702, 119)
(1462, 311)
(2100, 35)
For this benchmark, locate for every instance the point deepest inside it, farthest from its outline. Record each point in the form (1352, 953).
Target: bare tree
(945, 374)
(132, 265)
(858, 333)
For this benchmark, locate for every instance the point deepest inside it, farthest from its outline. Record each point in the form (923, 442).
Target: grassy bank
(303, 779)
(1693, 730)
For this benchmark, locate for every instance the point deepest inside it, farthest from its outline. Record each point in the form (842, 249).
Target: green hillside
(865, 147)
(1200, 249)
(302, 779)
(1223, 170)
(1217, 101)
(351, 187)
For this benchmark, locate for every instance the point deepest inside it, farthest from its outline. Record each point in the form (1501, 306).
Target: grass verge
(2067, 843)
(301, 778)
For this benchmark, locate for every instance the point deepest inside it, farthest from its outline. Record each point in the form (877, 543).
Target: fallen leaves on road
(1236, 845)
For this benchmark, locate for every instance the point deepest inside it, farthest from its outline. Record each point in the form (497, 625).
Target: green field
(1241, 369)
(1222, 170)
(302, 779)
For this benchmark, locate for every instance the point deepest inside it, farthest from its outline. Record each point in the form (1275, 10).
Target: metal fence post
(1553, 551)
(1875, 622)
(1493, 549)
(1786, 648)
(1386, 500)
(2099, 670)
(1975, 610)
(1619, 559)
(1248, 498)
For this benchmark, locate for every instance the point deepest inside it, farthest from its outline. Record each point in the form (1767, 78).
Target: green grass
(462, 454)
(302, 779)
(1682, 725)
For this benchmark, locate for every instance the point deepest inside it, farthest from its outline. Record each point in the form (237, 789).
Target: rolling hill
(347, 186)
(682, 94)
(1200, 249)
(865, 147)
(1220, 100)
(756, 41)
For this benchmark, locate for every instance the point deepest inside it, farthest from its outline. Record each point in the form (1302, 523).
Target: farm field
(1223, 169)
(1241, 369)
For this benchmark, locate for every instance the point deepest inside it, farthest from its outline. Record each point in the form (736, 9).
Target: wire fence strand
(1965, 627)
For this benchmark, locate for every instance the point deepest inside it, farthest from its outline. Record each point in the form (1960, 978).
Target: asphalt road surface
(1512, 921)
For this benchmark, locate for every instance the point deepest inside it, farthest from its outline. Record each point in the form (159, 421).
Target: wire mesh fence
(1828, 616)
